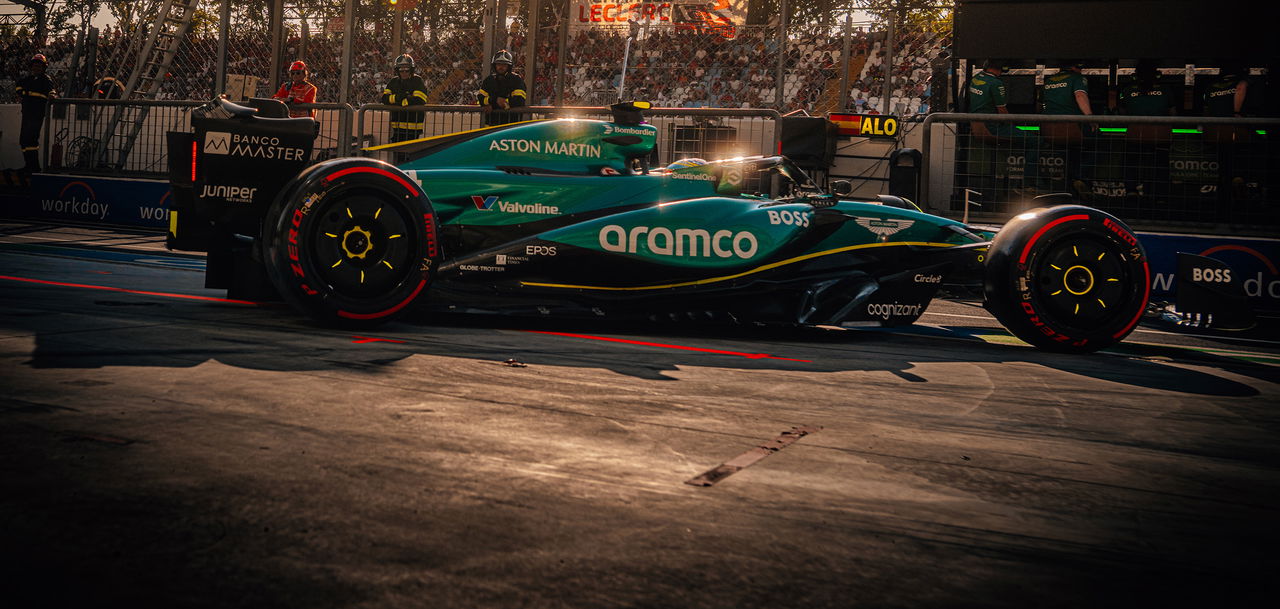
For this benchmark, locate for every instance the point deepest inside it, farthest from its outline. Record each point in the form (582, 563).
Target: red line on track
(667, 346)
(370, 339)
(108, 288)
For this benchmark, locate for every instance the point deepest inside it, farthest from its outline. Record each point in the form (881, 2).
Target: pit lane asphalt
(163, 450)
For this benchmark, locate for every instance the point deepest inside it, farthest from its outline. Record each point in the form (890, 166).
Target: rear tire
(1069, 279)
(351, 242)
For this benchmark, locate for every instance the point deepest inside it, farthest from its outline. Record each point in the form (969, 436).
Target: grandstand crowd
(669, 67)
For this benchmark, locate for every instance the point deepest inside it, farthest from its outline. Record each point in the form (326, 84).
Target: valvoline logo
(491, 202)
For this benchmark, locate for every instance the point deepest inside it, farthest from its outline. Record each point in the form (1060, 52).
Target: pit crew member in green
(34, 91)
(1226, 94)
(1067, 92)
(501, 90)
(1143, 96)
(406, 89)
(987, 96)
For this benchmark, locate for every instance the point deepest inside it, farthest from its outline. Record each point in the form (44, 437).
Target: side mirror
(841, 187)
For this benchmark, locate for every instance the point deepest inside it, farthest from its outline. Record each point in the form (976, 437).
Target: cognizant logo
(693, 242)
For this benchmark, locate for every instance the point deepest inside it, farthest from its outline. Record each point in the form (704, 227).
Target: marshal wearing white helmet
(501, 91)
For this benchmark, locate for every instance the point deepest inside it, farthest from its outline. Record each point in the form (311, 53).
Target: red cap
(39, 58)
(297, 65)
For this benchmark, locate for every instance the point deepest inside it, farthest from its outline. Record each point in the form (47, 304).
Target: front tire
(351, 242)
(1069, 279)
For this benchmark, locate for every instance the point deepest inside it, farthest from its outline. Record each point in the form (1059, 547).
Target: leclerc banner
(720, 17)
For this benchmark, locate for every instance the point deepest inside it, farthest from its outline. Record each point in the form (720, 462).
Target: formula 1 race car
(565, 217)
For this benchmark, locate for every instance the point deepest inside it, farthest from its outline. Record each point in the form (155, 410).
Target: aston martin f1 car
(566, 217)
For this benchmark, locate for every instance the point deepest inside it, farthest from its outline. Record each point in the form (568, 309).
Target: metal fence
(1166, 171)
(79, 136)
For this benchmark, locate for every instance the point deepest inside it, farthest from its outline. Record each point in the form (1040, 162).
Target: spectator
(297, 91)
(501, 91)
(406, 89)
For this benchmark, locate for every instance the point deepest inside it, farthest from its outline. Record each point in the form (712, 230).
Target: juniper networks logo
(217, 142)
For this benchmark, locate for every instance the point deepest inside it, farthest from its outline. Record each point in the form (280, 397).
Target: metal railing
(1194, 172)
(77, 137)
(710, 133)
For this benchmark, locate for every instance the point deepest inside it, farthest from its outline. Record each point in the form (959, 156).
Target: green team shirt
(1220, 97)
(986, 93)
(1135, 100)
(1060, 92)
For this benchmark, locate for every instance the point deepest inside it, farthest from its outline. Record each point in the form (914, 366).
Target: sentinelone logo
(252, 146)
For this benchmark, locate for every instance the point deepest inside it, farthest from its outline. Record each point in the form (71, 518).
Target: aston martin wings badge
(884, 227)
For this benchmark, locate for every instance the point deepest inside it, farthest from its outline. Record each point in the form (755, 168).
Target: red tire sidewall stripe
(376, 170)
(1026, 249)
(401, 305)
(1146, 296)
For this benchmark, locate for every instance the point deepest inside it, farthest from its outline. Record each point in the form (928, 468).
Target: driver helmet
(685, 164)
(404, 61)
(503, 56)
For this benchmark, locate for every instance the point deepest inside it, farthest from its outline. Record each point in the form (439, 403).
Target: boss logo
(790, 218)
(1211, 275)
(539, 250)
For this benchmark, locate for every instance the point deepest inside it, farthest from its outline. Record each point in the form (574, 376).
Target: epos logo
(217, 142)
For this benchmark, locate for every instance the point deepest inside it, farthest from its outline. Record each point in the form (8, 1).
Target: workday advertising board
(96, 200)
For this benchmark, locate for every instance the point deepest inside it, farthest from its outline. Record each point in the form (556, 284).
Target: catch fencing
(1153, 171)
(83, 136)
(820, 63)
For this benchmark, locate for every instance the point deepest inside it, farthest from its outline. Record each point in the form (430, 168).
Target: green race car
(565, 217)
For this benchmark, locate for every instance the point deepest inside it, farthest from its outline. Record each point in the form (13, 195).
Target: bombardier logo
(488, 203)
(611, 129)
(217, 142)
(884, 227)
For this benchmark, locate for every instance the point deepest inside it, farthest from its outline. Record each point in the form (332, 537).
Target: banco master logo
(884, 227)
(488, 203)
(217, 142)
